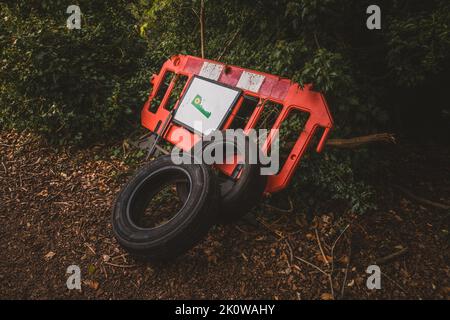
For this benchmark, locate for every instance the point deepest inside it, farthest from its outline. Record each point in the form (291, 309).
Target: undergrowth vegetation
(85, 86)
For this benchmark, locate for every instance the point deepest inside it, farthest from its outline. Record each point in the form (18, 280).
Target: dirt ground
(55, 212)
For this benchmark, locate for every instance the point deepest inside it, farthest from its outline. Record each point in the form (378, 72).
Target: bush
(71, 85)
(89, 85)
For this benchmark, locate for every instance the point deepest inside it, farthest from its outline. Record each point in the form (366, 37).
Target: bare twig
(123, 256)
(392, 256)
(394, 282)
(334, 245)
(311, 264)
(344, 283)
(225, 49)
(356, 142)
(120, 265)
(162, 150)
(423, 200)
(329, 274)
(269, 227)
(245, 232)
(4, 167)
(202, 27)
(290, 210)
(330, 279)
(316, 40)
(104, 271)
(291, 252)
(321, 249)
(359, 141)
(90, 248)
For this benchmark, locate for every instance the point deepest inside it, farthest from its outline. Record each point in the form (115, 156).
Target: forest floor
(55, 212)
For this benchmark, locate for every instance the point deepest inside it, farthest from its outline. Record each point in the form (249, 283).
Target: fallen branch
(352, 143)
(311, 264)
(344, 283)
(423, 200)
(225, 49)
(202, 27)
(394, 282)
(392, 256)
(290, 210)
(321, 249)
(120, 265)
(359, 141)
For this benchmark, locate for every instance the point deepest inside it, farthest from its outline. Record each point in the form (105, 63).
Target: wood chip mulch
(55, 212)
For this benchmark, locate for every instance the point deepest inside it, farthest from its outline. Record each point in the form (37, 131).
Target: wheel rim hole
(158, 202)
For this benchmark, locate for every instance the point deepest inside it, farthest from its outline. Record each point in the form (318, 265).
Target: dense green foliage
(72, 85)
(89, 84)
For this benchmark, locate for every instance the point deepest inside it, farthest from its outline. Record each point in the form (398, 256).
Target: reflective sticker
(250, 81)
(211, 70)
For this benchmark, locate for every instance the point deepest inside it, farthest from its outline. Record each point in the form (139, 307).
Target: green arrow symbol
(197, 103)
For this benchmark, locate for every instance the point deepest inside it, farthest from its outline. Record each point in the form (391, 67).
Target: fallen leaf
(212, 259)
(91, 284)
(319, 257)
(91, 269)
(326, 296)
(43, 193)
(268, 273)
(49, 255)
(344, 260)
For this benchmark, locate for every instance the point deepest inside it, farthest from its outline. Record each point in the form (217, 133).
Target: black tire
(237, 196)
(189, 225)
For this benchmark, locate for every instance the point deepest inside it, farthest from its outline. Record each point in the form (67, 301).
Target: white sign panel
(205, 105)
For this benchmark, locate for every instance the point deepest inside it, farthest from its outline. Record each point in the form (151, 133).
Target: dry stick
(162, 150)
(334, 245)
(423, 200)
(320, 247)
(303, 260)
(346, 268)
(394, 282)
(291, 252)
(290, 210)
(120, 265)
(332, 258)
(90, 248)
(392, 256)
(104, 271)
(279, 234)
(225, 49)
(245, 232)
(311, 264)
(202, 27)
(356, 142)
(330, 278)
(4, 167)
